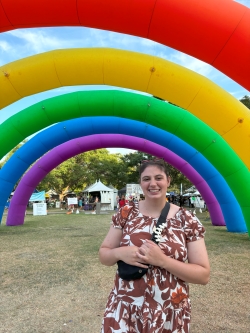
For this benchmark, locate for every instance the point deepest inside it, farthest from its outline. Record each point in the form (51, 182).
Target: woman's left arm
(197, 270)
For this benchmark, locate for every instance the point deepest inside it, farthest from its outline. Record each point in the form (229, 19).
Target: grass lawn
(52, 281)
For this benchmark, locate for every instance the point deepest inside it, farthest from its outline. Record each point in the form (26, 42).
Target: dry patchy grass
(52, 281)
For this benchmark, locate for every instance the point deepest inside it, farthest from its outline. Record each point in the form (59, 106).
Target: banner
(58, 204)
(72, 201)
(40, 196)
(40, 208)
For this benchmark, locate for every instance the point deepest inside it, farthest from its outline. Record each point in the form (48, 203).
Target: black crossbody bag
(130, 272)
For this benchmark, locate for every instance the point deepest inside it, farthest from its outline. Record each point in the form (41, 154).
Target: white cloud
(239, 93)
(45, 39)
(122, 151)
(38, 40)
(110, 39)
(148, 42)
(4, 46)
(102, 38)
(191, 63)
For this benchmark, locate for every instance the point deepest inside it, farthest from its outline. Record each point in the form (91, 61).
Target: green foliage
(8, 156)
(246, 101)
(84, 169)
(133, 160)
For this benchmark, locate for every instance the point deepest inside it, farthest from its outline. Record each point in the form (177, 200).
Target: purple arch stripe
(73, 147)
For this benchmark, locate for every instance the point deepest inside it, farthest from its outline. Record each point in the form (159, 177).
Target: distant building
(133, 190)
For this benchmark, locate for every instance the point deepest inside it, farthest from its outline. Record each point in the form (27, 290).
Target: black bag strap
(161, 219)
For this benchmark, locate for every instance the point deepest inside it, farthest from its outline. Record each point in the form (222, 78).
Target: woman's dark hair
(159, 163)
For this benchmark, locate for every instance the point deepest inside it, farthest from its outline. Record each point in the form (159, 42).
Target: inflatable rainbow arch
(207, 137)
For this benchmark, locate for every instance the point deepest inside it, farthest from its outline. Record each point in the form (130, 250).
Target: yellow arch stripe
(97, 66)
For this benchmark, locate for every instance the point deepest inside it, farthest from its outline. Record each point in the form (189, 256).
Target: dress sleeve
(194, 230)
(120, 218)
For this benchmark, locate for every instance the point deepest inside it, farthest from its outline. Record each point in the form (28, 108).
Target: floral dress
(159, 301)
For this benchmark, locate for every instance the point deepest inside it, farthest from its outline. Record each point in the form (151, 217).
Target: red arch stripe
(215, 31)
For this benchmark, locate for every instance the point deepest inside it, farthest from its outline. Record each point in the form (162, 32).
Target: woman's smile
(154, 190)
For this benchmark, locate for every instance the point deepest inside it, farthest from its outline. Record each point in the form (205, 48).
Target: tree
(8, 156)
(87, 168)
(84, 169)
(53, 180)
(246, 101)
(133, 161)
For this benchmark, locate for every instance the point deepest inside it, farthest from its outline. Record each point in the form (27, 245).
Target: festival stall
(104, 193)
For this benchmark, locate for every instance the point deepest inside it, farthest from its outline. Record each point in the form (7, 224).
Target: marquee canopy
(98, 186)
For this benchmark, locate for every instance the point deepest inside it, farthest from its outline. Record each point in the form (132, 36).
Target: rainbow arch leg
(53, 158)
(64, 131)
(135, 106)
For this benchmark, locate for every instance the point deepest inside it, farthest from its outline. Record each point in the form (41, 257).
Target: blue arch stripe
(71, 129)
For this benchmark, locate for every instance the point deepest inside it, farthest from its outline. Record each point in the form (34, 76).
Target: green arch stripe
(137, 107)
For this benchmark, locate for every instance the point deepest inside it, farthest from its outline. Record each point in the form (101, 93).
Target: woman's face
(154, 182)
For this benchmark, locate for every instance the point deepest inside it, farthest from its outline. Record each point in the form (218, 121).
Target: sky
(21, 43)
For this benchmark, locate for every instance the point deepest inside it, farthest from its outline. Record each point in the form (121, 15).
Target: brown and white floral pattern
(159, 301)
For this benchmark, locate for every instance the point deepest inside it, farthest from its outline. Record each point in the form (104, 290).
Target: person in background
(95, 202)
(80, 203)
(117, 202)
(158, 301)
(122, 202)
(181, 201)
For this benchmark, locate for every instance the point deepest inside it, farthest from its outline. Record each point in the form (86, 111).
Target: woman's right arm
(109, 247)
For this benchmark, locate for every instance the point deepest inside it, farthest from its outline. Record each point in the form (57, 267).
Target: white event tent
(106, 194)
(115, 194)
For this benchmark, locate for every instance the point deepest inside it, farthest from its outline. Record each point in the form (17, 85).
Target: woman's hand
(110, 251)
(197, 269)
(128, 254)
(150, 253)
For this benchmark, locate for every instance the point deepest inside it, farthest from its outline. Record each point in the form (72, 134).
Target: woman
(159, 301)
